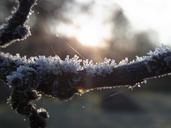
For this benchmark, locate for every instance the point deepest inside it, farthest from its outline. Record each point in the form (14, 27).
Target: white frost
(158, 51)
(106, 67)
(22, 71)
(56, 66)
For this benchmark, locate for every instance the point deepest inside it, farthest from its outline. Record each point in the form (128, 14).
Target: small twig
(15, 28)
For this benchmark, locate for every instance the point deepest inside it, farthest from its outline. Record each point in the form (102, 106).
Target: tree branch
(16, 28)
(63, 78)
(31, 77)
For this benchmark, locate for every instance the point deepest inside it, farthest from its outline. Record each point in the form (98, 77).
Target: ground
(84, 112)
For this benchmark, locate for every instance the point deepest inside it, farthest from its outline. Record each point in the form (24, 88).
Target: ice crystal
(16, 58)
(55, 66)
(106, 67)
(123, 62)
(158, 51)
(142, 58)
(21, 76)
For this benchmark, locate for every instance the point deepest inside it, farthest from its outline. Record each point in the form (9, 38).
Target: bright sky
(149, 14)
(143, 15)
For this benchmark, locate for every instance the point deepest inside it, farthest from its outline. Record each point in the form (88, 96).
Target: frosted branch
(63, 78)
(31, 77)
(16, 28)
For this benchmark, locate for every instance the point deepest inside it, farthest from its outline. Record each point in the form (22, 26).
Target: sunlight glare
(91, 32)
(93, 28)
(90, 29)
(87, 31)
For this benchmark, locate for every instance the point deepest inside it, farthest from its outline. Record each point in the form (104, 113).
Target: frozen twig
(63, 78)
(15, 28)
(29, 78)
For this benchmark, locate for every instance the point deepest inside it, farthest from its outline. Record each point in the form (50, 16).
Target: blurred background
(95, 29)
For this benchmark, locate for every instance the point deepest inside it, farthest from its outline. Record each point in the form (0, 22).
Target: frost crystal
(21, 76)
(42, 66)
(57, 66)
(123, 62)
(54, 67)
(139, 59)
(106, 67)
(16, 58)
(158, 51)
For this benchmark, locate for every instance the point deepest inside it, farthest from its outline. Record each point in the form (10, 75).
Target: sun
(91, 28)
(91, 32)
(87, 30)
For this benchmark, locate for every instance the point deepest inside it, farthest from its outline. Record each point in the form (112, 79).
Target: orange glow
(82, 91)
